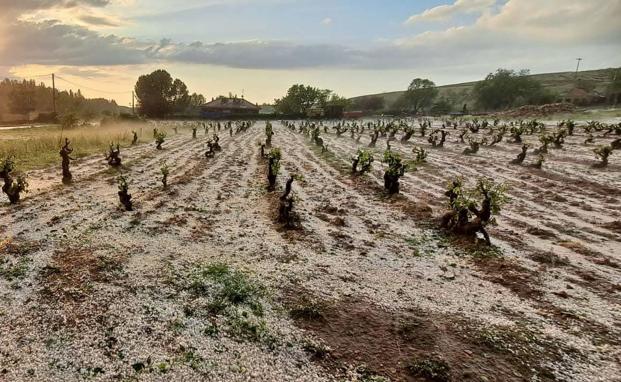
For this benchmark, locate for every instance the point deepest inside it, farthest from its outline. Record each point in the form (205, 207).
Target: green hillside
(559, 83)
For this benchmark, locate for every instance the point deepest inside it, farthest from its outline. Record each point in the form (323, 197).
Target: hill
(559, 83)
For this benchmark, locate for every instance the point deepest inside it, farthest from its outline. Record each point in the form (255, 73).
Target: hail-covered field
(201, 282)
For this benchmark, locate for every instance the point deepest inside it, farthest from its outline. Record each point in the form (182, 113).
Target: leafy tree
(508, 88)
(180, 96)
(22, 100)
(21, 97)
(197, 100)
(300, 99)
(334, 106)
(158, 95)
(420, 95)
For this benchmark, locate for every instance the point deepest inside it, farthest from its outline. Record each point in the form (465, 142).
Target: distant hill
(559, 83)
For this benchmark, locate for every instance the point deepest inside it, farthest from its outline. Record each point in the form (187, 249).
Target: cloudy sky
(261, 47)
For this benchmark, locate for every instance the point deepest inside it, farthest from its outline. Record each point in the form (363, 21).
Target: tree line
(23, 97)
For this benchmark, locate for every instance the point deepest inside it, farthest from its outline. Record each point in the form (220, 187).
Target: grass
(430, 369)
(232, 288)
(16, 271)
(235, 299)
(559, 83)
(38, 147)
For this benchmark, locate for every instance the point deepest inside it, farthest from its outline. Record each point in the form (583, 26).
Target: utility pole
(133, 97)
(53, 94)
(578, 66)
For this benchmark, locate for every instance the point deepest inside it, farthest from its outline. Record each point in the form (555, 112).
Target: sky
(259, 48)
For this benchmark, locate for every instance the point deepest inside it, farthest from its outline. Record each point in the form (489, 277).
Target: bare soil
(367, 287)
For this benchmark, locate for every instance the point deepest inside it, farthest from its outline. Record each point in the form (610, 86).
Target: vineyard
(376, 250)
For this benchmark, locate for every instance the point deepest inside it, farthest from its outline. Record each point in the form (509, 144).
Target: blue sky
(262, 47)
(356, 22)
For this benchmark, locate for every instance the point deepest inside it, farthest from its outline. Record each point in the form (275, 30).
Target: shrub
(474, 147)
(521, 156)
(124, 196)
(273, 166)
(396, 169)
(13, 187)
(165, 172)
(374, 137)
(516, 133)
(421, 155)
(269, 133)
(437, 138)
(569, 125)
(159, 139)
(65, 154)
(363, 159)
(286, 215)
(464, 205)
(603, 152)
(113, 157)
(540, 159)
(408, 132)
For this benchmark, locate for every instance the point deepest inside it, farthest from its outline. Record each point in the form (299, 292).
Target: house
(227, 107)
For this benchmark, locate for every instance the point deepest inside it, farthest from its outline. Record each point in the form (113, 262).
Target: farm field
(200, 281)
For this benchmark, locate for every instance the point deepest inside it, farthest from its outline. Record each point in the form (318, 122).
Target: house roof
(230, 103)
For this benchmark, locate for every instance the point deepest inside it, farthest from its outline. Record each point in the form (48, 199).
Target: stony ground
(200, 283)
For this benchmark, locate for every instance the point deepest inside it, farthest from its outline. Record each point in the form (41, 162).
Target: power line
(90, 88)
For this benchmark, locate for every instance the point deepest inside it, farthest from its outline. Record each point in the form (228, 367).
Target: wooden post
(53, 94)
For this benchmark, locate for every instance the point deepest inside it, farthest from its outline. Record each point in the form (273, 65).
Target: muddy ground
(200, 283)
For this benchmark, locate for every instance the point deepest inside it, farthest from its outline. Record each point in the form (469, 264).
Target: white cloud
(520, 33)
(445, 12)
(327, 21)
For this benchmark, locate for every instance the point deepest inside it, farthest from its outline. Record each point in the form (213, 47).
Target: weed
(432, 369)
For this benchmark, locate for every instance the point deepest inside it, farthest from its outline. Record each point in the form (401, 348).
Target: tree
(335, 106)
(420, 95)
(158, 95)
(197, 100)
(508, 88)
(22, 99)
(180, 96)
(300, 99)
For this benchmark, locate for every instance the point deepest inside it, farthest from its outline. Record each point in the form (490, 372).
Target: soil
(90, 291)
